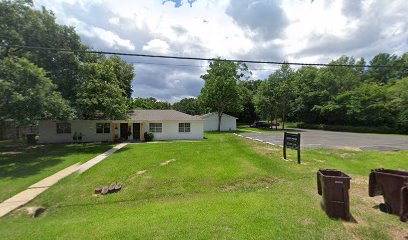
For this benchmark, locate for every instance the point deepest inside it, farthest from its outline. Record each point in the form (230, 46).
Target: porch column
(142, 131)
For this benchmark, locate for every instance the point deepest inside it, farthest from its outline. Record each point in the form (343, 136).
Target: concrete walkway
(36, 189)
(99, 158)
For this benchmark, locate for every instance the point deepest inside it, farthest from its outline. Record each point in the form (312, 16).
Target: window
(155, 127)
(63, 128)
(103, 128)
(184, 127)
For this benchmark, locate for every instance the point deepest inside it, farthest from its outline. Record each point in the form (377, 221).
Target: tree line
(67, 85)
(55, 85)
(351, 95)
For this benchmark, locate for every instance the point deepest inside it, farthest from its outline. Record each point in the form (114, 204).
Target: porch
(127, 131)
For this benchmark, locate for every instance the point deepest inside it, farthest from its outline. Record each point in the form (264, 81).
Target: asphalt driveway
(340, 140)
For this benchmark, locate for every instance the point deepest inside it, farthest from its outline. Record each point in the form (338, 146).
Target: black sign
(292, 141)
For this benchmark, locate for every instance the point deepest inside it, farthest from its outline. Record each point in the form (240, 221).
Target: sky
(312, 31)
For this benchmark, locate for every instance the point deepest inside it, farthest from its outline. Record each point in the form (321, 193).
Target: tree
(100, 95)
(73, 73)
(21, 24)
(367, 105)
(398, 100)
(332, 81)
(221, 92)
(307, 94)
(403, 70)
(124, 73)
(247, 90)
(189, 105)
(276, 94)
(382, 75)
(266, 100)
(284, 91)
(27, 95)
(149, 103)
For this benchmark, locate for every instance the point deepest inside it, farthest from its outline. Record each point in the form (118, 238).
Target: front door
(124, 131)
(136, 131)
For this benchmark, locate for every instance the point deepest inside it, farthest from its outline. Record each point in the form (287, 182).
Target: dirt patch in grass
(307, 221)
(141, 172)
(346, 155)
(359, 190)
(357, 149)
(244, 185)
(354, 222)
(361, 205)
(167, 162)
(398, 234)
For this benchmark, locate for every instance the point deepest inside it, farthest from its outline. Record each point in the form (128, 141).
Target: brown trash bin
(333, 186)
(393, 185)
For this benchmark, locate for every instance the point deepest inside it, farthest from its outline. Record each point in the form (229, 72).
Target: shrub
(347, 128)
(148, 136)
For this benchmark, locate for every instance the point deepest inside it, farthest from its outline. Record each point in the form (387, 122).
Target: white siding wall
(170, 130)
(228, 123)
(48, 132)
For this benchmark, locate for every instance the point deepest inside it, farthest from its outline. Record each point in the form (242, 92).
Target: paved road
(341, 140)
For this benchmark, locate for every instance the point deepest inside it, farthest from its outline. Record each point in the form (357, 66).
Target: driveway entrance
(340, 140)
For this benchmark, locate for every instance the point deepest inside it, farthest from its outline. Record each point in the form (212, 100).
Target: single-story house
(164, 124)
(228, 123)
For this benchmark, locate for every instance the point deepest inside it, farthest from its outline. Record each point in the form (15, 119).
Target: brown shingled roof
(159, 115)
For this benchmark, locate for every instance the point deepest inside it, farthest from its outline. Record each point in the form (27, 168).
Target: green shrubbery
(346, 128)
(148, 136)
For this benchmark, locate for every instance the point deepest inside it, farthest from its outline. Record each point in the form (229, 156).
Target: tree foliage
(149, 103)
(221, 92)
(189, 105)
(27, 94)
(78, 77)
(247, 90)
(275, 95)
(353, 95)
(100, 94)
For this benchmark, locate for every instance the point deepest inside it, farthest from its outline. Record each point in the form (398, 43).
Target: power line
(200, 58)
(198, 66)
(169, 64)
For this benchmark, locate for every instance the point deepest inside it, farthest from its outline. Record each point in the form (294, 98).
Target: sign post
(292, 141)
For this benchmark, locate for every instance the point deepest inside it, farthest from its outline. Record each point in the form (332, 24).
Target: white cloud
(157, 46)
(293, 30)
(111, 39)
(114, 20)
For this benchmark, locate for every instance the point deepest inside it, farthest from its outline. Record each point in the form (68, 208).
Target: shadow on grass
(26, 160)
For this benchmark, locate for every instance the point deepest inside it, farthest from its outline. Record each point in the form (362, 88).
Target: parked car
(260, 124)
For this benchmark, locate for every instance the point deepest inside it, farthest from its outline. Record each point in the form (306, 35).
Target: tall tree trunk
(2, 127)
(283, 123)
(276, 121)
(219, 121)
(283, 117)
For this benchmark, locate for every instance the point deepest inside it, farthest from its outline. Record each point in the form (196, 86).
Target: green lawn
(22, 165)
(246, 128)
(224, 187)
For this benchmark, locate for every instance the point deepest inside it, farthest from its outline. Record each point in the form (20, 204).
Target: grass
(22, 165)
(246, 128)
(224, 187)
